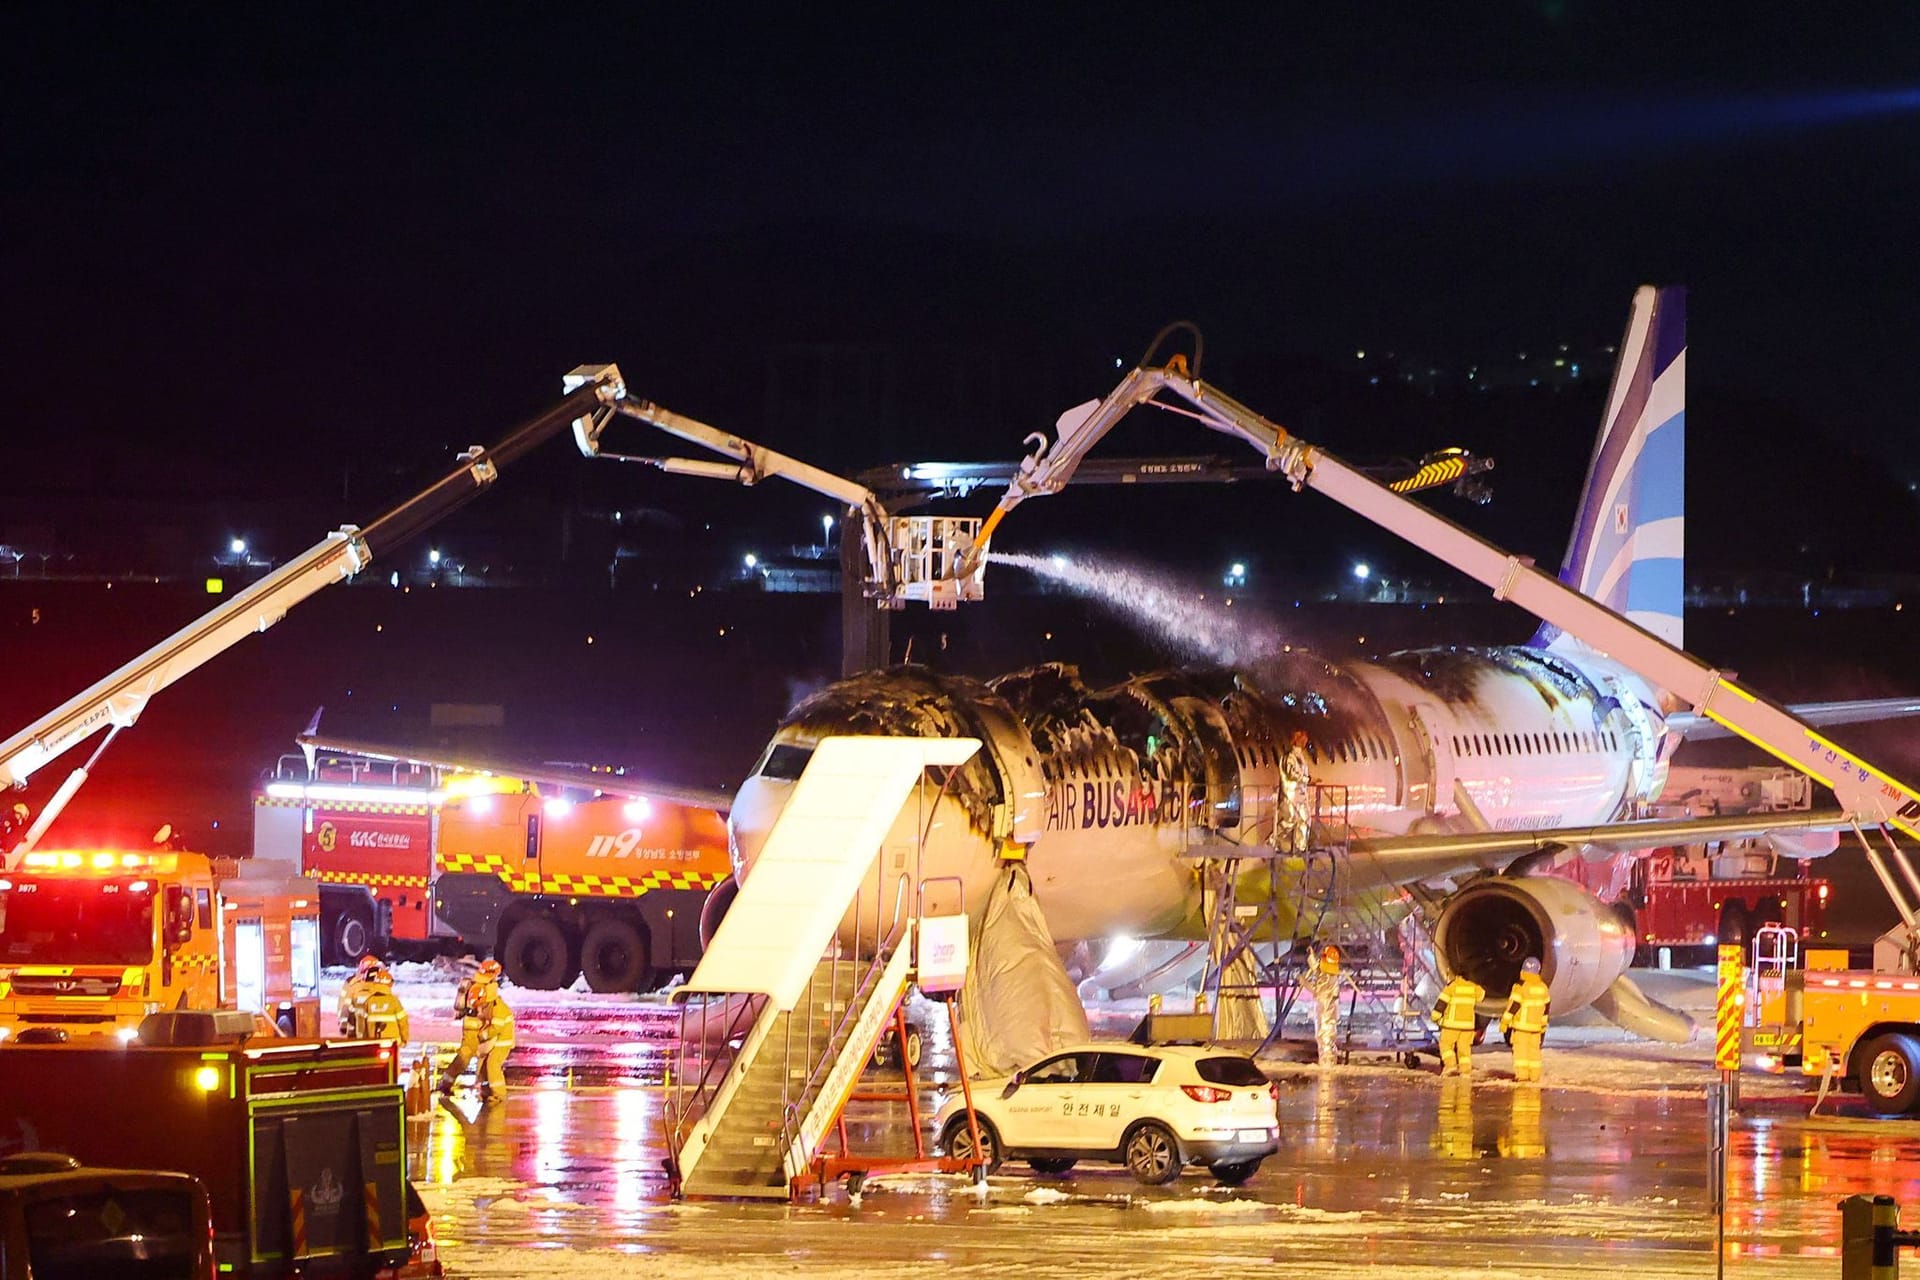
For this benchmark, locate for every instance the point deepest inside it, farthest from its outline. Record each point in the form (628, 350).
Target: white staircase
(784, 1010)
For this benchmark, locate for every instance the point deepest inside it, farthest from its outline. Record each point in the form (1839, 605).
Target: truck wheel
(537, 955)
(1888, 1068)
(613, 955)
(352, 935)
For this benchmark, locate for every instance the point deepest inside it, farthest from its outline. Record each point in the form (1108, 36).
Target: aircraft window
(785, 762)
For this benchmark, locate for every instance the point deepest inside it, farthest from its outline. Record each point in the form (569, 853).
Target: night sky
(239, 242)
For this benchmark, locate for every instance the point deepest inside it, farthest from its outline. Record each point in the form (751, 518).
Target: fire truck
(93, 941)
(362, 833)
(1689, 898)
(301, 1146)
(411, 854)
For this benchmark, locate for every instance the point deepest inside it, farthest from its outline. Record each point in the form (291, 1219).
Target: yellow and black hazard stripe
(342, 806)
(367, 878)
(626, 886)
(1443, 471)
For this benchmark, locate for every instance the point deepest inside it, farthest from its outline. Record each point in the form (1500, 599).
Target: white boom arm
(1869, 795)
(118, 700)
(897, 550)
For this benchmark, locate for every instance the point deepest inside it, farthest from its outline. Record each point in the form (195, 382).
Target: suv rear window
(1229, 1071)
(113, 1235)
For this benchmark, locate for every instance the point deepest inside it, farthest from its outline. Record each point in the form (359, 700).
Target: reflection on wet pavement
(1377, 1166)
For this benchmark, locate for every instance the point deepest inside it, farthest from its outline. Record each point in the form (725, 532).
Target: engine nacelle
(1489, 927)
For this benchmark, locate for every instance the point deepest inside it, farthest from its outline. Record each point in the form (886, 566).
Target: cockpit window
(785, 762)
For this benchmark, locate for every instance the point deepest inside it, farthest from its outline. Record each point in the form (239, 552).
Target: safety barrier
(1871, 1238)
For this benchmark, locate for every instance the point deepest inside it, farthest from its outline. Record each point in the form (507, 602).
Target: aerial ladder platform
(806, 972)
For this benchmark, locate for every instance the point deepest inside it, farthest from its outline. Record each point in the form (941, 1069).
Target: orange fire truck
(411, 853)
(92, 941)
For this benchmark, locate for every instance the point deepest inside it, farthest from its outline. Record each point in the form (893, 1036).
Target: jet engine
(1489, 927)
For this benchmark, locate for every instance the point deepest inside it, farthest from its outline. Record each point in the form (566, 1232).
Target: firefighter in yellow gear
(474, 1011)
(1525, 1020)
(1454, 1012)
(496, 1040)
(351, 990)
(376, 1011)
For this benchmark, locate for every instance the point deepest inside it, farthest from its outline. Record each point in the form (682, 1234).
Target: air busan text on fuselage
(1414, 757)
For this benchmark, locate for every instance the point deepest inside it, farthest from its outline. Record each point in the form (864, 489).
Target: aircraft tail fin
(1629, 537)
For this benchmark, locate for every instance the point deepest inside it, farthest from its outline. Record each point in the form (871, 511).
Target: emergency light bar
(101, 861)
(325, 793)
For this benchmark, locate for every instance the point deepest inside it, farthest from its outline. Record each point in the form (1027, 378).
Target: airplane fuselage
(1109, 791)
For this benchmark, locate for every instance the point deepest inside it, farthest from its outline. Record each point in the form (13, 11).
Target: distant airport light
(751, 560)
(433, 555)
(215, 586)
(636, 810)
(826, 525)
(238, 546)
(1057, 560)
(1362, 571)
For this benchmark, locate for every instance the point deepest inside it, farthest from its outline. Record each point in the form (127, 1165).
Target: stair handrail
(681, 1101)
(883, 949)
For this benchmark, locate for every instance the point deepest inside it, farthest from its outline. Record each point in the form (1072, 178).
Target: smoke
(1192, 626)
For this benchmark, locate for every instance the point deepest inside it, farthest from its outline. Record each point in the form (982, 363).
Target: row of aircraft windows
(1343, 751)
(1532, 744)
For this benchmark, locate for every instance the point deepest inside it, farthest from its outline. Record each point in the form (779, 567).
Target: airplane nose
(756, 807)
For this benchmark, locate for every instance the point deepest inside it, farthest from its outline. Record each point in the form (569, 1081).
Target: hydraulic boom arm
(1869, 795)
(118, 700)
(906, 558)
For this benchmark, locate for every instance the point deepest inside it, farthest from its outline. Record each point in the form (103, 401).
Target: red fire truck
(364, 831)
(1690, 898)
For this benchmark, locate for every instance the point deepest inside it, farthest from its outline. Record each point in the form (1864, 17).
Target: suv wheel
(959, 1142)
(1152, 1156)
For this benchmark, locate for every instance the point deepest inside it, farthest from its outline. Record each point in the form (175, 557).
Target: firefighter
(496, 1032)
(351, 990)
(1292, 832)
(1323, 979)
(1454, 1011)
(466, 1004)
(377, 1011)
(1525, 1020)
(14, 825)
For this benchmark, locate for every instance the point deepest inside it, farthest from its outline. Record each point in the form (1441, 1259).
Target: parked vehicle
(59, 1218)
(1154, 1109)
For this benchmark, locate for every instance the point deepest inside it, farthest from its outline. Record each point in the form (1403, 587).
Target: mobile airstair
(804, 975)
(1265, 905)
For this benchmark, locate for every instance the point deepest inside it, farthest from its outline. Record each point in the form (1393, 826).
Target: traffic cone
(420, 1089)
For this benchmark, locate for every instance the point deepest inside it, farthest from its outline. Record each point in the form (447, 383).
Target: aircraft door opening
(1436, 752)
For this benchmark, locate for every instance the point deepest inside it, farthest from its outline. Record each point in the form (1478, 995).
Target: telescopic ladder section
(796, 988)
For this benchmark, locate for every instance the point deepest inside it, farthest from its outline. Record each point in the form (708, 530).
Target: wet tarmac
(1379, 1168)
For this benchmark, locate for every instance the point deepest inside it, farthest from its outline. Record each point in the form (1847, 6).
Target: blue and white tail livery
(1630, 536)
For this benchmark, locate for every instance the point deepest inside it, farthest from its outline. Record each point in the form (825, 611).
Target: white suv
(1154, 1109)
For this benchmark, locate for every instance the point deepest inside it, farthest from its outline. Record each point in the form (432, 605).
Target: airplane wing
(1500, 847)
(612, 784)
(1698, 728)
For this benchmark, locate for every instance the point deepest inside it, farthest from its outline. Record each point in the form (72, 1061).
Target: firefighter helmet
(1530, 965)
(1330, 958)
(489, 971)
(377, 973)
(368, 963)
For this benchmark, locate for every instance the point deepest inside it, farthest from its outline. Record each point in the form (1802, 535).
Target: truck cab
(92, 941)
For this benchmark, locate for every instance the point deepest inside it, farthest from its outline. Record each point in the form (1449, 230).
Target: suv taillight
(1205, 1093)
